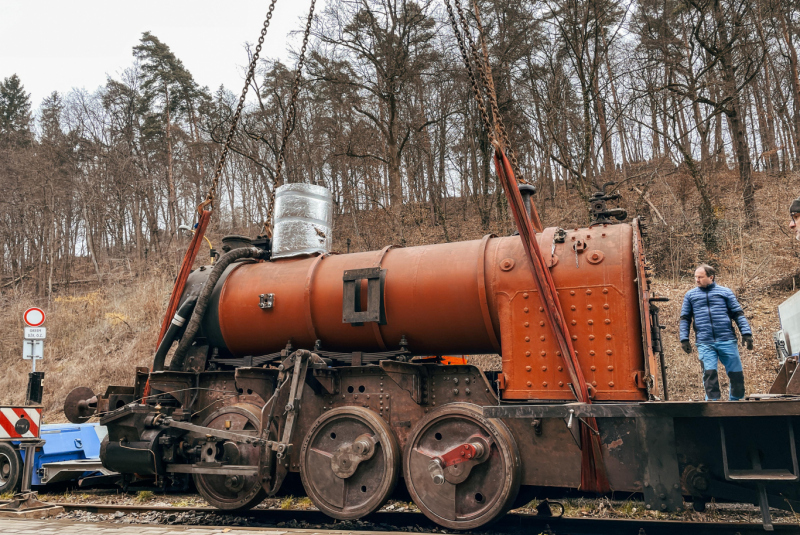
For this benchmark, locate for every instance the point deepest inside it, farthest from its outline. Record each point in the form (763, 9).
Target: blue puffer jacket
(713, 308)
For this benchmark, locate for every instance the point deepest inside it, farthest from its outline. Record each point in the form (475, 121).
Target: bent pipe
(203, 299)
(178, 321)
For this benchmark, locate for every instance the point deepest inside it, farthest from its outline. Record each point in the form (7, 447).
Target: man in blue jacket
(713, 307)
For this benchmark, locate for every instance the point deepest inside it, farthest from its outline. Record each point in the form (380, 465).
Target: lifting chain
(212, 191)
(487, 74)
(496, 132)
(288, 125)
(487, 123)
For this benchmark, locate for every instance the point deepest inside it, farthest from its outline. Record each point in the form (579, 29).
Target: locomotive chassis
(665, 450)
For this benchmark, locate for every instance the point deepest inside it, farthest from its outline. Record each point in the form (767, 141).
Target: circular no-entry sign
(34, 316)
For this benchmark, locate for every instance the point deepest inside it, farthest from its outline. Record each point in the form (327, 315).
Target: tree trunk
(172, 200)
(136, 218)
(617, 108)
(393, 156)
(654, 128)
(547, 186)
(787, 31)
(605, 138)
(708, 218)
(90, 242)
(766, 109)
(720, 155)
(737, 123)
(441, 192)
(150, 209)
(587, 182)
(53, 240)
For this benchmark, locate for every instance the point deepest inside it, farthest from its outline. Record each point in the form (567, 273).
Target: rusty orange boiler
(457, 298)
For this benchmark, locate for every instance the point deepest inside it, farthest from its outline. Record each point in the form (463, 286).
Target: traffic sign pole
(34, 335)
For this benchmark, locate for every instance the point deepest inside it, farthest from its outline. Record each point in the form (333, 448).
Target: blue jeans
(728, 354)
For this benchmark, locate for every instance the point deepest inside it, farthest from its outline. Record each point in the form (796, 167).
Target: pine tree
(164, 81)
(52, 107)
(15, 112)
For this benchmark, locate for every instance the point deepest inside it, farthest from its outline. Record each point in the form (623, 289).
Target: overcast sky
(57, 45)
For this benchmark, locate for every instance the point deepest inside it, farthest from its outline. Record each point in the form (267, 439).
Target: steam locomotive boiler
(292, 359)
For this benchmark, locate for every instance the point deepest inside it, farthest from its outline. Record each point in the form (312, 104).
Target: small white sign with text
(33, 350)
(35, 333)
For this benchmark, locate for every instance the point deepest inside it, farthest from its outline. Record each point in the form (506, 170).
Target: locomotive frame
(353, 424)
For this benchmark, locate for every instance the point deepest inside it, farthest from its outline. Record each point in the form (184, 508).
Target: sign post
(24, 428)
(34, 335)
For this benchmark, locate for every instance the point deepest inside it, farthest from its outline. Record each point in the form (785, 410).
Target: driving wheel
(349, 462)
(461, 469)
(231, 492)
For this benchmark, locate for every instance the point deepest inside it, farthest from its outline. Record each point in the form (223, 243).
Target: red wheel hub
(462, 453)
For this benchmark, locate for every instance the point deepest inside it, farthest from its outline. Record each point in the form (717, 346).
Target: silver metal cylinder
(303, 220)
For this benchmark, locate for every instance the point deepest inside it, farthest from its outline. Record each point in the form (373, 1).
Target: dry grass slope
(94, 338)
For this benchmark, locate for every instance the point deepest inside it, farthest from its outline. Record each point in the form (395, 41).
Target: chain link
(487, 123)
(212, 191)
(288, 125)
(497, 128)
(493, 97)
(485, 77)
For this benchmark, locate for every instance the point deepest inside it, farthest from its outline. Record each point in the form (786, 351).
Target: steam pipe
(178, 321)
(203, 299)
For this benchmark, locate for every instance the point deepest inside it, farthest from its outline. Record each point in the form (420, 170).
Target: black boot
(737, 384)
(711, 384)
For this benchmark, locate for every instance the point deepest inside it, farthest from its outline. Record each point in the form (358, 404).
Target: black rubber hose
(205, 296)
(178, 321)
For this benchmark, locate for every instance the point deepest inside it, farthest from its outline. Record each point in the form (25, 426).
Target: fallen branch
(16, 280)
(653, 206)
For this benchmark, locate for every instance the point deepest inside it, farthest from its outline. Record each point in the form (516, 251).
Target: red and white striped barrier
(19, 422)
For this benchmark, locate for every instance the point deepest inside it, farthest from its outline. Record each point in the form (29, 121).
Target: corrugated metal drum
(303, 220)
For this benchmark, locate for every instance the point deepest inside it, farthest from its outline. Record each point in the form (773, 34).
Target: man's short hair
(710, 271)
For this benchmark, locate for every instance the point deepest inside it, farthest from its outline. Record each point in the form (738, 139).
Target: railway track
(385, 521)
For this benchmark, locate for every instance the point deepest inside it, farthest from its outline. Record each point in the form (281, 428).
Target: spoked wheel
(231, 492)
(461, 469)
(349, 462)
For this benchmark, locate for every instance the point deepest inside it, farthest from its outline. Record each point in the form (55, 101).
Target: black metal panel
(662, 484)
(35, 388)
(351, 297)
(210, 328)
(131, 457)
(761, 450)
